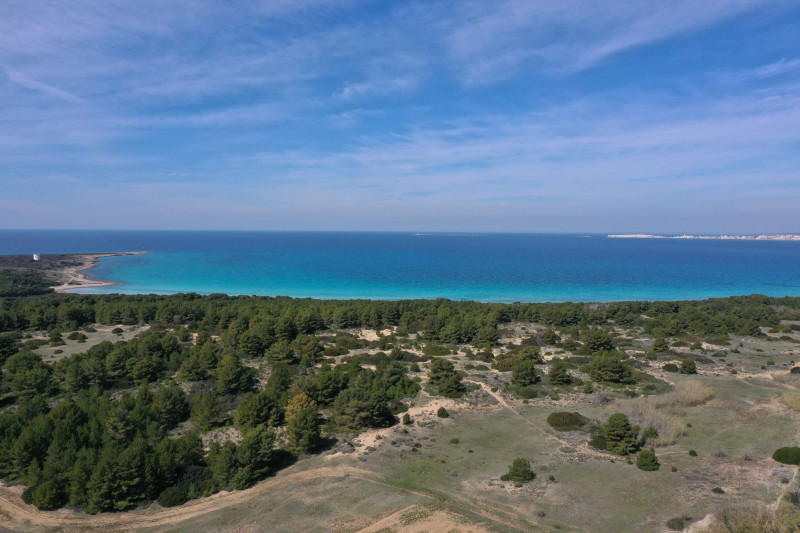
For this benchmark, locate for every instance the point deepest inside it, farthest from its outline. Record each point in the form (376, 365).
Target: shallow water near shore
(483, 267)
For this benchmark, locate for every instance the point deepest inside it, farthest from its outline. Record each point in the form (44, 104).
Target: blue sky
(533, 116)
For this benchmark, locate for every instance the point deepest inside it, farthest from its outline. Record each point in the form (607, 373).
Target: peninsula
(60, 272)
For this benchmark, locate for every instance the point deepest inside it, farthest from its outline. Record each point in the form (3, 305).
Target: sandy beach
(64, 272)
(75, 277)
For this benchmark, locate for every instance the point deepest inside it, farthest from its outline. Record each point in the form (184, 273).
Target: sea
(488, 267)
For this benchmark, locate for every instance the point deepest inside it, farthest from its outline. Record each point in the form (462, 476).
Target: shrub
(598, 441)
(117, 331)
(550, 337)
(519, 471)
(504, 365)
(717, 490)
(406, 419)
(435, 350)
(692, 453)
(660, 345)
(525, 392)
(688, 366)
(795, 370)
(173, 496)
(789, 455)
(650, 435)
(677, 523)
(647, 460)
(670, 367)
(442, 413)
(565, 421)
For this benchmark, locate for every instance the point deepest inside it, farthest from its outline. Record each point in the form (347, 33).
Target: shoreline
(783, 237)
(76, 277)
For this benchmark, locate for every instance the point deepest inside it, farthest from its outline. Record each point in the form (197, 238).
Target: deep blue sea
(484, 267)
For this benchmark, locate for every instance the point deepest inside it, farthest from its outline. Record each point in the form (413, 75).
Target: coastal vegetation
(110, 401)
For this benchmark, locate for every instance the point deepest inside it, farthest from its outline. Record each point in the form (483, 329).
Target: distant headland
(62, 272)
(786, 237)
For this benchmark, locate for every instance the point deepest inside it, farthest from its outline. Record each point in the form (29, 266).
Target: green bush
(692, 453)
(670, 367)
(647, 460)
(717, 490)
(789, 455)
(677, 523)
(442, 413)
(173, 496)
(688, 366)
(519, 471)
(406, 419)
(598, 441)
(565, 421)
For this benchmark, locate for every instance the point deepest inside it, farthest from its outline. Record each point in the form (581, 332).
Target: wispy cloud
(331, 106)
(28, 83)
(777, 68)
(495, 40)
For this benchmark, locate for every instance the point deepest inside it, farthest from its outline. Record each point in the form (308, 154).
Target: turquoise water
(492, 267)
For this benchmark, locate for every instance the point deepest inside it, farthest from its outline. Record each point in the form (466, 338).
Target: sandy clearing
(419, 519)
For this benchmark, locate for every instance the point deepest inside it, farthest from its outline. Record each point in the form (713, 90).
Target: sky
(521, 116)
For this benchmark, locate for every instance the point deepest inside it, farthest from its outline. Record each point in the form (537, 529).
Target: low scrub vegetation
(647, 460)
(789, 455)
(686, 394)
(566, 421)
(744, 518)
(519, 471)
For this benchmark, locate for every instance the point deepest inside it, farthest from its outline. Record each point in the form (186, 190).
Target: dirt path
(20, 516)
(418, 519)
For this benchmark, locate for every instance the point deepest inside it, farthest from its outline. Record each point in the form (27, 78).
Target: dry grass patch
(647, 411)
(686, 394)
(792, 399)
(644, 412)
(744, 518)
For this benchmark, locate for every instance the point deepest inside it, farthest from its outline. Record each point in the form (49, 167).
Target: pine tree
(303, 430)
(621, 437)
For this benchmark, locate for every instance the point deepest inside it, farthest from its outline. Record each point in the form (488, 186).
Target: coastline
(784, 237)
(75, 276)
